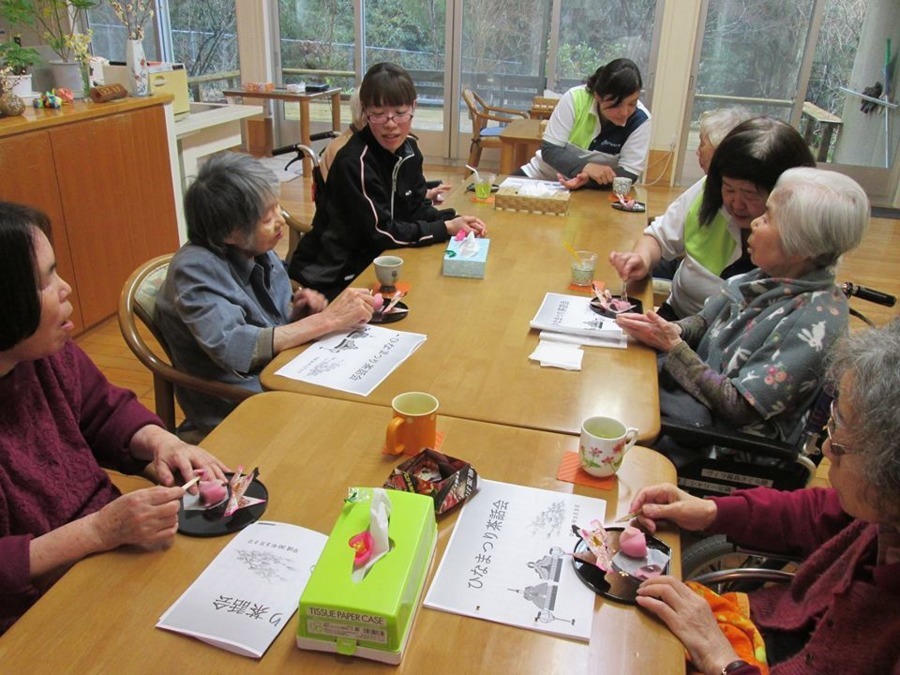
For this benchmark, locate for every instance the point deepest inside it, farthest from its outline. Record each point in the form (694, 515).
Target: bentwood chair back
(138, 303)
(481, 114)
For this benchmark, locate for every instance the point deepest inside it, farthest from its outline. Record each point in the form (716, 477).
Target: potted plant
(57, 23)
(17, 59)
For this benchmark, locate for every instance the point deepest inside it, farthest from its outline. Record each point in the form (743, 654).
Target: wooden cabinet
(102, 174)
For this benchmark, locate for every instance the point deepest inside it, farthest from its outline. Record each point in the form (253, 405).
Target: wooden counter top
(45, 118)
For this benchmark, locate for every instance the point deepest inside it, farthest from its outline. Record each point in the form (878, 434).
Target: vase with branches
(134, 16)
(57, 22)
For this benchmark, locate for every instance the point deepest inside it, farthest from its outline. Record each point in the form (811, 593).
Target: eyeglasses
(382, 118)
(838, 449)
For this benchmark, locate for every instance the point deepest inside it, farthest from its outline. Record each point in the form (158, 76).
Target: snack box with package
(447, 480)
(372, 618)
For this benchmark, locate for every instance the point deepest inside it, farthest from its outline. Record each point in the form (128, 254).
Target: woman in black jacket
(375, 192)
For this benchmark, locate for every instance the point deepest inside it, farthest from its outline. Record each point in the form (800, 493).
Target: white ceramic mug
(387, 270)
(604, 443)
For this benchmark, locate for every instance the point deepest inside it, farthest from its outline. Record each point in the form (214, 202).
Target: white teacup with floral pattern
(604, 442)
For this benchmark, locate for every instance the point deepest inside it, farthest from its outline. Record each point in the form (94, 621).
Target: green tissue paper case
(372, 618)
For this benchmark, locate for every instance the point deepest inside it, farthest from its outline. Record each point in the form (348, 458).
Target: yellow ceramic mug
(414, 425)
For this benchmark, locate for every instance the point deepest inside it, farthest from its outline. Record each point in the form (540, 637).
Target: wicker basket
(509, 199)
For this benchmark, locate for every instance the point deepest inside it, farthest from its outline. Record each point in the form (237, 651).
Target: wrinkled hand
(466, 224)
(306, 301)
(435, 194)
(629, 265)
(171, 459)
(667, 502)
(353, 307)
(651, 329)
(147, 518)
(575, 182)
(690, 619)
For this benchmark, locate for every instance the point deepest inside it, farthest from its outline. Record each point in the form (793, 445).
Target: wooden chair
(484, 136)
(542, 107)
(138, 299)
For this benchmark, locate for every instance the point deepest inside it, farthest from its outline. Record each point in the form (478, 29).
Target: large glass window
(201, 34)
(411, 34)
(594, 32)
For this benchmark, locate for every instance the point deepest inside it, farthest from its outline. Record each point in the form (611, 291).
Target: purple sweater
(847, 604)
(59, 416)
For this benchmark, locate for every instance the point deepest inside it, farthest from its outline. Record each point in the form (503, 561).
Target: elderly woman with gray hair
(226, 307)
(841, 612)
(754, 356)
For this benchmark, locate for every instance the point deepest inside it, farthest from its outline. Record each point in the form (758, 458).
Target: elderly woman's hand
(667, 502)
(306, 301)
(169, 455)
(690, 619)
(651, 329)
(147, 518)
(352, 308)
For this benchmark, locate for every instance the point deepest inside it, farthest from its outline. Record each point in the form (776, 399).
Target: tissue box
(472, 267)
(555, 204)
(372, 618)
(447, 480)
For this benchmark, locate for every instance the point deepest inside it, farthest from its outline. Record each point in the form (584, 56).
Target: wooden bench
(828, 123)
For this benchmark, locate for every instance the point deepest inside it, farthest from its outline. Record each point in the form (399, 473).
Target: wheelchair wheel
(717, 553)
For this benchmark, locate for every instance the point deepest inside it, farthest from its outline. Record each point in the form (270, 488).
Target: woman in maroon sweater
(841, 612)
(59, 417)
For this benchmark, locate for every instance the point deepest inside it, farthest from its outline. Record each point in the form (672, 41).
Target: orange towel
(732, 611)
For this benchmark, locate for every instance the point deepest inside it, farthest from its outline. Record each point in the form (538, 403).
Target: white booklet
(250, 590)
(572, 314)
(508, 560)
(354, 361)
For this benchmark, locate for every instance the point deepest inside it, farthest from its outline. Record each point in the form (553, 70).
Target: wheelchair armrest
(743, 574)
(714, 435)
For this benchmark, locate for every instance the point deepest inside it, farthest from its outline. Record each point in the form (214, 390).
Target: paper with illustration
(250, 591)
(509, 560)
(355, 361)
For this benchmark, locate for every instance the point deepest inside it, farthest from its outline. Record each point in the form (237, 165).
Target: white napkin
(558, 355)
(620, 342)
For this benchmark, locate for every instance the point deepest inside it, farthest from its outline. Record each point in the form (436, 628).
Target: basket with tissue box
(534, 196)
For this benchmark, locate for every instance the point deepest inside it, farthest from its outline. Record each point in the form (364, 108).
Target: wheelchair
(732, 460)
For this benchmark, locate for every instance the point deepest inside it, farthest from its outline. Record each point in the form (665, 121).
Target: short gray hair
(872, 359)
(715, 124)
(821, 214)
(231, 193)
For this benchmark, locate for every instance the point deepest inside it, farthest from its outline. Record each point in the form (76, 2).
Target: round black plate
(637, 309)
(637, 207)
(207, 524)
(392, 316)
(615, 585)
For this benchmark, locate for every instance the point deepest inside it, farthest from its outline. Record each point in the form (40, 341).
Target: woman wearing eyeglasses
(841, 612)
(754, 356)
(375, 192)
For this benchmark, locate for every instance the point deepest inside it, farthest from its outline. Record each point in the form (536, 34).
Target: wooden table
(475, 360)
(100, 617)
(303, 98)
(519, 140)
